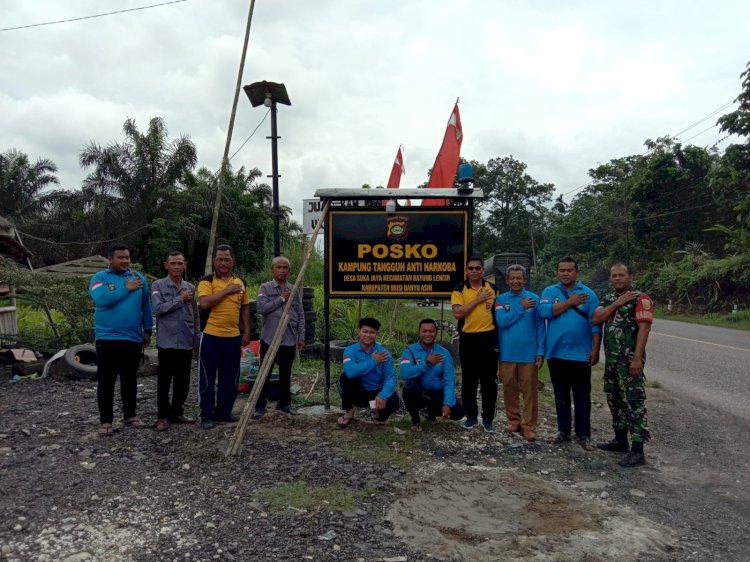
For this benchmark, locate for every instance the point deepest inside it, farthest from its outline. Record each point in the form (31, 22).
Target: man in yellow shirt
(473, 303)
(225, 299)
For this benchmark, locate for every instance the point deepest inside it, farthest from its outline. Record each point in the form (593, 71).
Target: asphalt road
(702, 363)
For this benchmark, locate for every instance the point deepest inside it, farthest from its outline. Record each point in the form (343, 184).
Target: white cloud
(561, 86)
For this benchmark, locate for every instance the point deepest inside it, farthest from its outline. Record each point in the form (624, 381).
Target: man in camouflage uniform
(627, 315)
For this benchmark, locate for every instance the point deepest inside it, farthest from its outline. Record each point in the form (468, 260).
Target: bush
(67, 298)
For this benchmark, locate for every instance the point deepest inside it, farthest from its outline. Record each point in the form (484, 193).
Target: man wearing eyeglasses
(472, 302)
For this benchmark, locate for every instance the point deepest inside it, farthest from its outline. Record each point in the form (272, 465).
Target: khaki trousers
(520, 378)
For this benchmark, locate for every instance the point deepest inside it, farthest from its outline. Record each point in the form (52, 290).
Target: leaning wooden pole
(235, 444)
(225, 159)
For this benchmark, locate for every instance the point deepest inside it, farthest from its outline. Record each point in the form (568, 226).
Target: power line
(701, 120)
(642, 219)
(52, 242)
(251, 135)
(714, 112)
(90, 17)
(699, 134)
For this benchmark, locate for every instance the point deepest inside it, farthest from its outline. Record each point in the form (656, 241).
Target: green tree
(140, 173)
(731, 178)
(24, 186)
(514, 210)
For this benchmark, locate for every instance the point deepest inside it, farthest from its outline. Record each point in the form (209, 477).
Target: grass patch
(739, 321)
(384, 445)
(301, 496)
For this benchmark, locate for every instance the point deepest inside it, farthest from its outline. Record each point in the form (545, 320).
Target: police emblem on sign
(398, 228)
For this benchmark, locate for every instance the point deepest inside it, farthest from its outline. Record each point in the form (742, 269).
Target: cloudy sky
(559, 85)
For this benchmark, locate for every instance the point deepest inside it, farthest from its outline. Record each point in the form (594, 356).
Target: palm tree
(22, 185)
(141, 173)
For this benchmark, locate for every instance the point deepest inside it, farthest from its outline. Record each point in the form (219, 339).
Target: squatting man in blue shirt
(369, 377)
(429, 378)
(122, 326)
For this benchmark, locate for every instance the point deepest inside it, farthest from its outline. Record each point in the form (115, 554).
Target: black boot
(619, 444)
(635, 457)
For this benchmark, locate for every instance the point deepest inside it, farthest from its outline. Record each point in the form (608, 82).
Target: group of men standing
(519, 330)
(211, 323)
(506, 336)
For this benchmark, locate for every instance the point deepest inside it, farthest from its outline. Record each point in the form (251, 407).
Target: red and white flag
(398, 170)
(446, 163)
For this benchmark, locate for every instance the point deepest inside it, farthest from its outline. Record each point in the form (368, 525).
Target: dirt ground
(446, 494)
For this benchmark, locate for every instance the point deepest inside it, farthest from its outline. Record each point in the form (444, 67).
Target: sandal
(105, 430)
(344, 421)
(135, 422)
(375, 418)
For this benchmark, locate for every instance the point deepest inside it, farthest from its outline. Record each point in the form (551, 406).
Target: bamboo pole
(225, 159)
(235, 443)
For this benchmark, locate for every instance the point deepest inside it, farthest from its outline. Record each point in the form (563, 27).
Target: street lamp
(269, 94)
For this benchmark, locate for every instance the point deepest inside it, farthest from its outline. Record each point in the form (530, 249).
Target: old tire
(453, 350)
(337, 348)
(83, 368)
(308, 292)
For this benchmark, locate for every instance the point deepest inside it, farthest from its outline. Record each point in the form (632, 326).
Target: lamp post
(269, 94)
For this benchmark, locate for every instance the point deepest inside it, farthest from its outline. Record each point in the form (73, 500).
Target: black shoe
(287, 410)
(616, 445)
(207, 423)
(259, 412)
(561, 437)
(633, 458)
(228, 419)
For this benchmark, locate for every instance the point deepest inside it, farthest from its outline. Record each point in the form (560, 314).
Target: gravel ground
(445, 494)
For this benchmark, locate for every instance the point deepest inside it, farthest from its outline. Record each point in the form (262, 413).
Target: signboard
(407, 254)
(312, 212)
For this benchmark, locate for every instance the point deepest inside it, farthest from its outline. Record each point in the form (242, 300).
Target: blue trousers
(219, 374)
(572, 377)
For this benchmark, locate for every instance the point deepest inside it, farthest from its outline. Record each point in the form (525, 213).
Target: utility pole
(225, 159)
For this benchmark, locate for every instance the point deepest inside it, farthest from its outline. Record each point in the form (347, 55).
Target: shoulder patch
(96, 284)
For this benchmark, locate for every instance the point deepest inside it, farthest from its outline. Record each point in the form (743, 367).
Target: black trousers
(113, 358)
(478, 355)
(352, 394)
(284, 359)
(174, 371)
(416, 398)
(572, 377)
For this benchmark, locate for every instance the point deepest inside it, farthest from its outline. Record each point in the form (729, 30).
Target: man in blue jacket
(572, 348)
(521, 335)
(122, 326)
(427, 369)
(369, 376)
